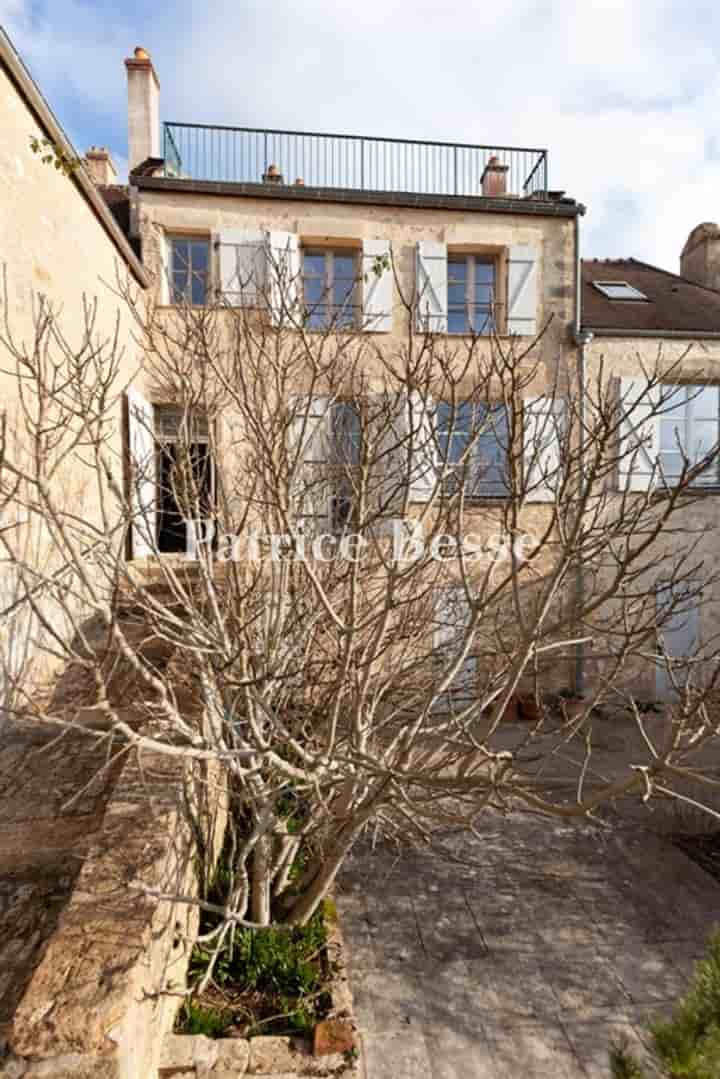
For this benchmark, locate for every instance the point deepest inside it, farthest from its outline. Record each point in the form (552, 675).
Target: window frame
(328, 277)
(693, 392)
(480, 489)
(472, 260)
(192, 239)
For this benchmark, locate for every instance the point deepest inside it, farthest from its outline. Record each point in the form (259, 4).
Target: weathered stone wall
(54, 244)
(697, 525)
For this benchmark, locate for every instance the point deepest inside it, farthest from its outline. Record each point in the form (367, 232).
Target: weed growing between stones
(688, 1045)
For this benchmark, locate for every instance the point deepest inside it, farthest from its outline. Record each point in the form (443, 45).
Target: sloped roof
(673, 305)
(31, 94)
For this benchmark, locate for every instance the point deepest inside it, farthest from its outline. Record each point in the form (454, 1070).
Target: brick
(333, 1036)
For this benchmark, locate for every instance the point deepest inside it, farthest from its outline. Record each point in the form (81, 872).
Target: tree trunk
(261, 870)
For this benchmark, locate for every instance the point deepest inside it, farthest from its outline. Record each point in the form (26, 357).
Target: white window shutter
(543, 426)
(242, 266)
(377, 289)
(308, 451)
(405, 453)
(283, 277)
(522, 289)
(639, 434)
(431, 284)
(423, 463)
(452, 614)
(143, 473)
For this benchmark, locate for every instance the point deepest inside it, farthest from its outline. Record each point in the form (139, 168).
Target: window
(690, 425)
(188, 269)
(619, 290)
(344, 458)
(471, 294)
(485, 429)
(329, 289)
(184, 473)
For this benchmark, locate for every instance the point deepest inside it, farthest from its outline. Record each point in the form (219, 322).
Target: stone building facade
(61, 246)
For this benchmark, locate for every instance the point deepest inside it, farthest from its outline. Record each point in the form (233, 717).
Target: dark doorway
(174, 491)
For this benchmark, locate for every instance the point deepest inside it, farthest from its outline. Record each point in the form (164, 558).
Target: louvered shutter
(309, 453)
(431, 285)
(639, 434)
(283, 277)
(143, 473)
(242, 266)
(522, 290)
(543, 425)
(377, 289)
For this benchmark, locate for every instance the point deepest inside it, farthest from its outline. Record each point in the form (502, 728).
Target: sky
(625, 96)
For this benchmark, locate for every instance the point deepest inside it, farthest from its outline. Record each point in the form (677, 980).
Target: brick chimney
(100, 165)
(493, 182)
(700, 257)
(143, 109)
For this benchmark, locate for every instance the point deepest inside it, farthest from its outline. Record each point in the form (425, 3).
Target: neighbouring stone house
(59, 243)
(635, 317)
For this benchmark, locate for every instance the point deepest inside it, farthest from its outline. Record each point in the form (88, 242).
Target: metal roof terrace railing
(351, 162)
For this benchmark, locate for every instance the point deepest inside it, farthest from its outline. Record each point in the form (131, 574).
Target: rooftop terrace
(351, 162)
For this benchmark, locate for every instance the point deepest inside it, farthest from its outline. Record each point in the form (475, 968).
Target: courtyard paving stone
(522, 954)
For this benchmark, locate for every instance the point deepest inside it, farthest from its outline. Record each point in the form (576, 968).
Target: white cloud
(625, 97)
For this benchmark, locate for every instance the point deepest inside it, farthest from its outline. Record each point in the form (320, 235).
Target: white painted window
(471, 286)
(689, 423)
(473, 441)
(188, 269)
(330, 284)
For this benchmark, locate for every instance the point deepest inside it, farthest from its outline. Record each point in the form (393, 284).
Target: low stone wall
(190, 1057)
(107, 983)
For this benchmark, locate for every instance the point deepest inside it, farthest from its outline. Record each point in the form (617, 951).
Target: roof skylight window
(619, 290)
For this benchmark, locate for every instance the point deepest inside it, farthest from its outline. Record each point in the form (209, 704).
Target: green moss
(330, 913)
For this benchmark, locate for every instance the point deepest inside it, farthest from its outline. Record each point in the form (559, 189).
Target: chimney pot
(100, 165)
(273, 175)
(493, 182)
(141, 53)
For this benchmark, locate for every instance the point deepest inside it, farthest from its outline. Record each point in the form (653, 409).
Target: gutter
(672, 335)
(305, 193)
(29, 91)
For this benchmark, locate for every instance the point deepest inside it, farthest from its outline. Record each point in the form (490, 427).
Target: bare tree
(381, 546)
